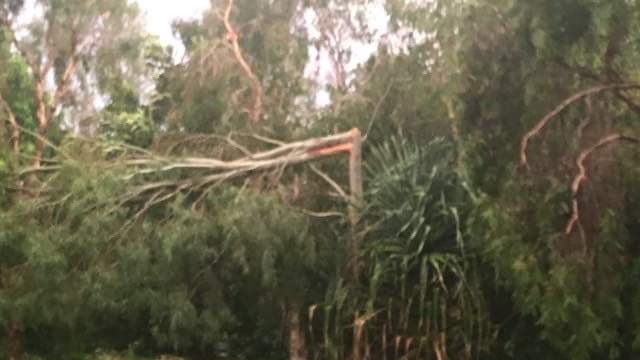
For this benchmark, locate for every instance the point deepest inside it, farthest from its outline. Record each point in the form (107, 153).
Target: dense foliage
(500, 216)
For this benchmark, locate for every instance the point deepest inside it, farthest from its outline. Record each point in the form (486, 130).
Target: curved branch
(582, 175)
(560, 108)
(232, 37)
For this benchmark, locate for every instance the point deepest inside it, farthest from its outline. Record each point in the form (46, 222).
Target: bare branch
(232, 37)
(267, 140)
(560, 108)
(331, 182)
(219, 171)
(582, 175)
(212, 172)
(324, 214)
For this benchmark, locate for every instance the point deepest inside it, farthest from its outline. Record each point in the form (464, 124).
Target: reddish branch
(582, 175)
(560, 108)
(232, 37)
(333, 150)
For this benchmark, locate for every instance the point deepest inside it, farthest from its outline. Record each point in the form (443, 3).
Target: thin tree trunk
(15, 136)
(43, 125)
(40, 145)
(15, 340)
(355, 184)
(297, 344)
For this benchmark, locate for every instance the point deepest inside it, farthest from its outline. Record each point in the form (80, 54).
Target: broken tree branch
(582, 175)
(211, 172)
(560, 108)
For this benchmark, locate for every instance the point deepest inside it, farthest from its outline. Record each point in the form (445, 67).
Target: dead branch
(215, 171)
(560, 108)
(582, 175)
(267, 140)
(320, 215)
(331, 182)
(232, 37)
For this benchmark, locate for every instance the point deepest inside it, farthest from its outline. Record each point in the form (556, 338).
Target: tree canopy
(470, 190)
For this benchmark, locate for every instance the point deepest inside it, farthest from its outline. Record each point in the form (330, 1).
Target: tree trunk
(40, 145)
(355, 185)
(15, 138)
(43, 124)
(297, 346)
(14, 339)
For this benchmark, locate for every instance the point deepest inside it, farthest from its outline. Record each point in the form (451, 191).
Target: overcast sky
(160, 13)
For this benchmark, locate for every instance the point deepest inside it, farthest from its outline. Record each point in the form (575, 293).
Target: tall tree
(61, 42)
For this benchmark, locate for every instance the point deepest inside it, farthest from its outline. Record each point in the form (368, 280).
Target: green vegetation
(160, 209)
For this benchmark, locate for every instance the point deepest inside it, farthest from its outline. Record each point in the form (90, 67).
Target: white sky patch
(159, 14)
(319, 66)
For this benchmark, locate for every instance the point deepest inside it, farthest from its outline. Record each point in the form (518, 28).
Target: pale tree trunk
(42, 115)
(355, 184)
(15, 137)
(297, 343)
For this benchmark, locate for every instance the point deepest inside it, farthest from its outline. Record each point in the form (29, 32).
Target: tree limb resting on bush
(216, 171)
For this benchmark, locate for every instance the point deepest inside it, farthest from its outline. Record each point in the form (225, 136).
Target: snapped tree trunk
(297, 344)
(355, 185)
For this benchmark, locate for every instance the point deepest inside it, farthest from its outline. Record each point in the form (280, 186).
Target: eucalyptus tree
(69, 47)
(549, 121)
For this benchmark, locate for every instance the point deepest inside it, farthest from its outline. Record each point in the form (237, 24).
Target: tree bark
(297, 343)
(42, 115)
(15, 340)
(355, 185)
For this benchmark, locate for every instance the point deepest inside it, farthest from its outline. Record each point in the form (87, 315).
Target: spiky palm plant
(419, 297)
